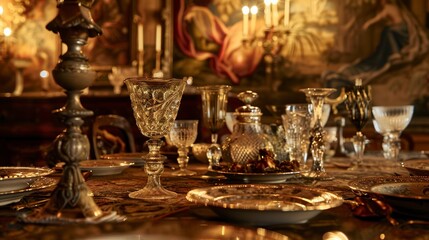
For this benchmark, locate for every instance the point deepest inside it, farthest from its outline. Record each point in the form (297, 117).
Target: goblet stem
(318, 148)
(359, 141)
(395, 147)
(154, 167)
(214, 152)
(183, 160)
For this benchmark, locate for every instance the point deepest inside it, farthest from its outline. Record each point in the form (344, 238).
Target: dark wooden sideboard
(28, 127)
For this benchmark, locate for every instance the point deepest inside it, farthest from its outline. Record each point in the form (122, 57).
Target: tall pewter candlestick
(72, 200)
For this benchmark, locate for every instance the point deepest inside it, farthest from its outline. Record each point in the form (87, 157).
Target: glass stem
(318, 135)
(214, 153)
(154, 163)
(359, 147)
(318, 148)
(395, 146)
(153, 169)
(183, 158)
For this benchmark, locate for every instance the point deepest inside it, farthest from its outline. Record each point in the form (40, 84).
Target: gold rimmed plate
(406, 195)
(274, 177)
(16, 178)
(418, 167)
(265, 204)
(13, 196)
(136, 157)
(102, 167)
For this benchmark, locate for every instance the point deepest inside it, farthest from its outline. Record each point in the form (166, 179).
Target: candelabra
(72, 200)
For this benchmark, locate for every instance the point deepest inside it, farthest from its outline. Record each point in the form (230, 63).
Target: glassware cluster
(155, 103)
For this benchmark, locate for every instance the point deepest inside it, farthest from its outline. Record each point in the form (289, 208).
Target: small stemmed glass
(391, 121)
(155, 104)
(183, 134)
(317, 133)
(358, 103)
(214, 108)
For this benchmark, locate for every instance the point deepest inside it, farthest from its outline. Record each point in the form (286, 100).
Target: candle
(267, 13)
(245, 11)
(158, 38)
(287, 13)
(140, 39)
(253, 12)
(63, 48)
(275, 12)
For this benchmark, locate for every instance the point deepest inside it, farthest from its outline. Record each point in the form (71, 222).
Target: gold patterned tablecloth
(111, 194)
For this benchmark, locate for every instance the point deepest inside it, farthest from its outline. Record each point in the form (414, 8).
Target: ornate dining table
(179, 218)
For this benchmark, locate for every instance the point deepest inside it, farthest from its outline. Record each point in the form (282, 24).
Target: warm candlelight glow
(140, 39)
(254, 13)
(287, 13)
(158, 38)
(267, 13)
(1, 10)
(245, 11)
(275, 12)
(7, 31)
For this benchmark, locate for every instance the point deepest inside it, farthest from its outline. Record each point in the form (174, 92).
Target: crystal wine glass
(183, 134)
(392, 120)
(214, 107)
(155, 104)
(358, 104)
(296, 123)
(317, 133)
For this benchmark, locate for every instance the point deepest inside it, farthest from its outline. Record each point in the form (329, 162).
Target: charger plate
(406, 195)
(15, 178)
(13, 196)
(277, 177)
(265, 204)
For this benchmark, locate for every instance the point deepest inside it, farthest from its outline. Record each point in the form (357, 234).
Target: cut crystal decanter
(248, 137)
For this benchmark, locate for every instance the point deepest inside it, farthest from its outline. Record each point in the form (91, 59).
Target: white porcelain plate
(105, 167)
(265, 204)
(16, 195)
(15, 178)
(277, 177)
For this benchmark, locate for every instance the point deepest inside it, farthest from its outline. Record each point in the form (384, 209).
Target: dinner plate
(418, 167)
(265, 204)
(135, 157)
(104, 167)
(277, 177)
(15, 178)
(406, 195)
(16, 195)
